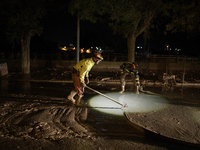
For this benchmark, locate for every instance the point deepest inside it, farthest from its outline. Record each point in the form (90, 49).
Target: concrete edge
(150, 134)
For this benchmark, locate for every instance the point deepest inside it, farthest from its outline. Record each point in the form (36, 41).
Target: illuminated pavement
(156, 115)
(142, 119)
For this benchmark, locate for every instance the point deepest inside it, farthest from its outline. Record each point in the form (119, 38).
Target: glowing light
(139, 47)
(135, 102)
(82, 50)
(64, 49)
(88, 51)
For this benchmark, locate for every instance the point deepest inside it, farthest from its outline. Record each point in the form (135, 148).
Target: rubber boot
(71, 96)
(138, 90)
(123, 89)
(78, 100)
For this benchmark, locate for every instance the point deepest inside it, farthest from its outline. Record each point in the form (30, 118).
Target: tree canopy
(21, 17)
(127, 17)
(185, 17)
(21, 20)
(132, 17)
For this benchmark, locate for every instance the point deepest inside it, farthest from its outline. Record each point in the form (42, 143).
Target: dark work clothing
(129, 69)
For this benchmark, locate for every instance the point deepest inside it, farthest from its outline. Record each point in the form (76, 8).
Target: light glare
(135, 102)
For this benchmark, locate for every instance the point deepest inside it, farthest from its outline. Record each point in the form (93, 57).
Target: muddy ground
(40, 118)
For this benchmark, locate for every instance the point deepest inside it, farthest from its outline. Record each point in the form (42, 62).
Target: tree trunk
(25, 50)
(131, 39)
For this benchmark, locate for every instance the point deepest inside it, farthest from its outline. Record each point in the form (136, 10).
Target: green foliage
(186, 17)
(129, 18)
(124, 16)
(133, 16)
(91, 10)
(22, 17)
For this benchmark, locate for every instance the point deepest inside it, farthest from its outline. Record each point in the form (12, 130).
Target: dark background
(60, 28)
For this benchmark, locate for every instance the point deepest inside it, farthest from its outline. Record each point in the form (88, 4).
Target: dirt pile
(39, 119)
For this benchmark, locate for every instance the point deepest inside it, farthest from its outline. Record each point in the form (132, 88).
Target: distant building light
(139, 47)
(177, 49)
(64, 49)
(82, 50)
(88, 51)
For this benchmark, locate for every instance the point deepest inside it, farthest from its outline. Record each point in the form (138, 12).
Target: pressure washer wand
(106, 96)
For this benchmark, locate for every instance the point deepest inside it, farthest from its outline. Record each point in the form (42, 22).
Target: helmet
(134, 66)
(98, 55)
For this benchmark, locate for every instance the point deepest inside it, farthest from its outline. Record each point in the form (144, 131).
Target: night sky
(61, 28)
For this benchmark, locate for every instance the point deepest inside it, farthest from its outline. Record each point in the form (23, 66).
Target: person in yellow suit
(80, 76)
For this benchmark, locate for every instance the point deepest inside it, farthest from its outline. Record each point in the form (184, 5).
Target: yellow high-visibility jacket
(84, 67)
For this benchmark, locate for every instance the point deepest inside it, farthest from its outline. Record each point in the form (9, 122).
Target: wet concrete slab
(103, 124)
